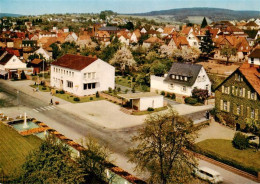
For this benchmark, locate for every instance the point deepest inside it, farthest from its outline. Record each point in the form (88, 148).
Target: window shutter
(228, 106)
(223, 89)
(244, 92)
(256, 114)
(228, 90)
(242, 110)
(248, 112)
(249, 93)
(255, 95)
(234, 108)
(221, 104)
(236, 76)
(233, 90)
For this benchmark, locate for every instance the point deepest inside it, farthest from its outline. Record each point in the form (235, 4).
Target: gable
(14, 63)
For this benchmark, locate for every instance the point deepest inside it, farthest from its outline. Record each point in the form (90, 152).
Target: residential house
(82, 75)
(193, 40)
(254, 57)
(178, 42)
(238, 96)
(135, 36)
(181, 80)
(151, 41)
(167, 31)
(38, 65)
(110, 29)
(143, 31)
(251, 26)
(103, 36)
(10, 65)
(72, 37)
(46, 54)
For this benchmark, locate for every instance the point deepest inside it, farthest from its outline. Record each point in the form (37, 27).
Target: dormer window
(185, 78)
(181, 78)
(177, 76)
(173, 76)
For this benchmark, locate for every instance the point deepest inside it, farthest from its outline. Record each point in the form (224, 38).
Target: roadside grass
(125, 81)
(70, 98)
(42, 88)
(149, 112)
(223, 150)
(14, 148)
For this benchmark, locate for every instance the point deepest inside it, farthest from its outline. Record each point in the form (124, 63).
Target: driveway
(104, 114)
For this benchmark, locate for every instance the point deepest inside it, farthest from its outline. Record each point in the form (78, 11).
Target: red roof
(13, 51)
(75, 62)
(252, 75)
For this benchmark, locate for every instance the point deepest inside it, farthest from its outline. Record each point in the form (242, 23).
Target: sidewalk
(24, 86)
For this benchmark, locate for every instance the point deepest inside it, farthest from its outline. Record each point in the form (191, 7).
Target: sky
(37, 7)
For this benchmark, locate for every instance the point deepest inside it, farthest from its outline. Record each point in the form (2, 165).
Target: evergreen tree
(204, 23)
(206, 45)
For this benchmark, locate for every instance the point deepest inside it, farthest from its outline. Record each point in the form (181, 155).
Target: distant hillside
(9, 15)
(214, 14)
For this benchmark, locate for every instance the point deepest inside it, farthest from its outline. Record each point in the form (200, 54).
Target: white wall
(47, 55)
(202, 81)
(154, 102)
(255, 62)
(14, 63)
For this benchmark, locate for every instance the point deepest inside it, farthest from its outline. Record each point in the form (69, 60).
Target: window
(89, 75)
(171, 86)
(185, 78)
(241, 92)
(253, 96)
(226, 90)
(252, 115)
(207, 87)
(181, 78)
(72, 74)
(184, 88)
(177, 76)
(225, 106)
(203, 78)
(238, 110)
(173, 76)
(69, 84)
(85, 75)
(93, 75)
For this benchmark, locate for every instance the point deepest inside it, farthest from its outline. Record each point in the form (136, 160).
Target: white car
(208, 174)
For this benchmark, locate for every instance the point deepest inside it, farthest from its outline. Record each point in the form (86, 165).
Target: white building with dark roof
(82, 75)
(182, 79)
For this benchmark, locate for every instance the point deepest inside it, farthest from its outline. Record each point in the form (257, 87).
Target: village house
(182, 79)
(38, 65)
(11, 66)
(82, 75)
(238, 96)
(151, 41)
(46, 54)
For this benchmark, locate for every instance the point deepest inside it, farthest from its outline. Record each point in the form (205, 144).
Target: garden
(239, 153)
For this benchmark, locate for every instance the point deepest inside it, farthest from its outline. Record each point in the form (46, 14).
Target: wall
(14, 63)
(154, 102)
(200, 83)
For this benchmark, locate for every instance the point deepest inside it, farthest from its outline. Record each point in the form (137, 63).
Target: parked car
(208, 174)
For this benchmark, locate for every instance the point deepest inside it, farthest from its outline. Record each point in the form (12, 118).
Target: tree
(161, 148)
(23, 76)
(124, 60)
(102, 15)
(254, 127)
(158, 68)
(200, 94)
(228, 51)
(186, 54)
(129, 26)
(55, 50)
(51, 163)
(92, 160)
(206, 45)
(204, 23)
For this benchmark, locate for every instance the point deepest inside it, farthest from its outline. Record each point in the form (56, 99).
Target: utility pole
(18, 98)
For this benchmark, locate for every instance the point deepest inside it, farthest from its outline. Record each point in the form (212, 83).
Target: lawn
(149, 112)
(248, 160)
(42, 88)
(14, 148)
(70, 98)
(127, 82)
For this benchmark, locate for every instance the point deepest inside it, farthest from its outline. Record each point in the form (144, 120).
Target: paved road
(75, 128)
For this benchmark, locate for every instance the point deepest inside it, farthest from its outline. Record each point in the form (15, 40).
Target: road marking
(35, 110)
(52, 107)
(48, 108)
(42, 108)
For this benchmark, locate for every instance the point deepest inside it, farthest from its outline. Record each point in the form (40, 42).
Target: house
(254, 57)
(182, 79)
(38, 65)
(10, 65)
(46, 54)
(238, 96)
(110, 29)
(135, 36)
(143, 101)
(151, 41)
(82, 75)
(193, 40)
(143, 31)
(178, 42)
(103, 36)
(72, 37)
(251, 26)
(167, 31)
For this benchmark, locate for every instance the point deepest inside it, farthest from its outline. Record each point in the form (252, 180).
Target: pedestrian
(207, 114)
(51, 102)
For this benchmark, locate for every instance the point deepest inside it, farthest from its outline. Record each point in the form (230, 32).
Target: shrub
(126, 90)
(128, 78)
(134, 79)
(173, 96)
(44, 88)
(110, 90)
(57, 91)
(162, 93)
(190, 100)
(62, 92)
(150, 109)
(229, 119)
(91, 98)
(97, 94)
(133, 90)
(118, 89)
(168, 95)
(76, 99)
(240, 141)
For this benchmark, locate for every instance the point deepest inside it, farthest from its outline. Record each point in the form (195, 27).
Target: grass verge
(149, 112)
(222, 150)
(70, 98)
